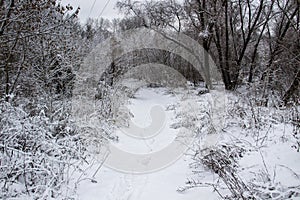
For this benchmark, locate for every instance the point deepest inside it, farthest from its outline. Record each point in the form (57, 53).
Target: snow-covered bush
(35, 154)
(241, 165)
(271, 190)
(223, 161)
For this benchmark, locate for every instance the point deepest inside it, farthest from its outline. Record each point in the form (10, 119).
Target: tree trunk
(292, 90)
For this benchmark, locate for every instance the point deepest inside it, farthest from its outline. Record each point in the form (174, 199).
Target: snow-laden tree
(40, 52)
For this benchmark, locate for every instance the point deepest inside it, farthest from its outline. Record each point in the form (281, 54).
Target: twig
(101, 164)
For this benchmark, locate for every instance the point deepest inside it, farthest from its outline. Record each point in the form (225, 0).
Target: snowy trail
(160, 185)
(276, 158)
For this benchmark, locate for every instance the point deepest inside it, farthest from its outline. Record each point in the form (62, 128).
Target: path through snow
(160, 185)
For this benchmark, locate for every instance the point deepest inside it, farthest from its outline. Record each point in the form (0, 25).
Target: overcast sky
(86, 5)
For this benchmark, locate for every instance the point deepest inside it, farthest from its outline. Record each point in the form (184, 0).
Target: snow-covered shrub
(271, 190)
(35, 154)
(223, 161)
(251, 129)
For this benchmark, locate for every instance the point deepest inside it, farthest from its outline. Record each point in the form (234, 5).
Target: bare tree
(226, 29)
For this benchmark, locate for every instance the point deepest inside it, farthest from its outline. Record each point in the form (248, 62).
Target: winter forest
(80, 101)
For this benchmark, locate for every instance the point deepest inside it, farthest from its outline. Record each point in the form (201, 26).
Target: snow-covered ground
(269, 162)
(162, 184)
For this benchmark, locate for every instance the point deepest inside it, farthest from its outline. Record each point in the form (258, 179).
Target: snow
(269, 165)
(140, 107)
(275, 157)
(263, 138)
(162, 184)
